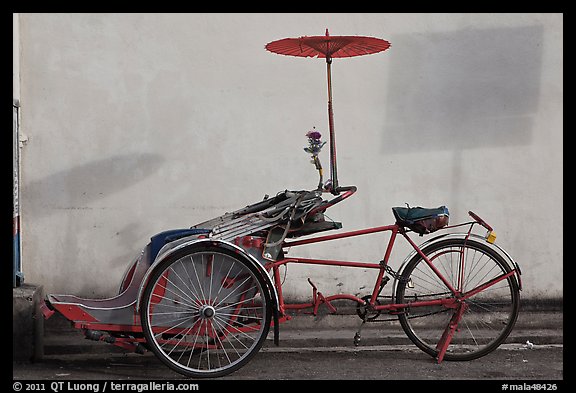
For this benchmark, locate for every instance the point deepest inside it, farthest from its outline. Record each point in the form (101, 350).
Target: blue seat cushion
(159, 240)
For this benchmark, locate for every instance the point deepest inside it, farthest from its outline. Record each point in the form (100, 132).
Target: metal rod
(333, 169)
(326, 262)
(341, 235)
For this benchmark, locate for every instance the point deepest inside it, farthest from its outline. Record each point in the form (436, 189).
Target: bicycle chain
(398, 277)
(394, 274)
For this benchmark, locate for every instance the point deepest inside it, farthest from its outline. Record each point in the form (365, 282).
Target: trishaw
(204, 298)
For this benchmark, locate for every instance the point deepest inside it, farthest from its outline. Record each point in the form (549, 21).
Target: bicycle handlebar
(346, 188)
(348, 191)
(336, 191)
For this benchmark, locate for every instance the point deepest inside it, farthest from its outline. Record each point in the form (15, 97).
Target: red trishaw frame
(83, 320)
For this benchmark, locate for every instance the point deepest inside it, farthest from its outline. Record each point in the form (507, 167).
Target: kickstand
(358, 336)
(449, 331)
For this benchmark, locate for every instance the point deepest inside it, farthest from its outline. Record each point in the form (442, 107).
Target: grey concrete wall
(16, 56)
(139, 123)
(27, 323)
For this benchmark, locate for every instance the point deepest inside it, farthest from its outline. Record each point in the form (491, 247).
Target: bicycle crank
(365, 311)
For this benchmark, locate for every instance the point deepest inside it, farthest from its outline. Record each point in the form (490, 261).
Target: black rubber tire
(263, 326)
(508, 300)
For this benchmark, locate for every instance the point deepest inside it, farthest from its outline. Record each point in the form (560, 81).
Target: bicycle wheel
(489, 315)
(205, 313)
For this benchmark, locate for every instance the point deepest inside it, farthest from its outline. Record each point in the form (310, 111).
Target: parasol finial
(327, 34)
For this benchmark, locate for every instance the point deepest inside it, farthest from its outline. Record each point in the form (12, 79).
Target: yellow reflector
(491, 237)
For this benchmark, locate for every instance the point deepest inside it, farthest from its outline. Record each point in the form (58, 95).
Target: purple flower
(314, 135)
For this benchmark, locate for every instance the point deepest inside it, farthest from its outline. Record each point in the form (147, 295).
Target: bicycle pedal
(357, 339)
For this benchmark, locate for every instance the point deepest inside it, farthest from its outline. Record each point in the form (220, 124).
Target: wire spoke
(206, 318)
(491, 311)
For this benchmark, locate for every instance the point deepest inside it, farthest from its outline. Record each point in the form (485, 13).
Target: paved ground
(397, 362)
(319, 348)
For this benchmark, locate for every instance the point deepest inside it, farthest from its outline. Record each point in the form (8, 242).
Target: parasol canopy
(329, 47)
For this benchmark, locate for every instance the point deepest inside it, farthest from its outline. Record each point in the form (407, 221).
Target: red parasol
(329, 47)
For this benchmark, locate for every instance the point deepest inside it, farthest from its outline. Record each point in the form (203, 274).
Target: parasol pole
(333, 169)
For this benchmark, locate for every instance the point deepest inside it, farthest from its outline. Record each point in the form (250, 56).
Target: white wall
(139, 123)
(15, 56)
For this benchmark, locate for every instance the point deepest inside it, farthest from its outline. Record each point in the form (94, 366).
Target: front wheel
(489, 315)
(205, 312)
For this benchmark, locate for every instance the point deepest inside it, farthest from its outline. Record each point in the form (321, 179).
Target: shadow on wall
(463, 89)
(77, 187)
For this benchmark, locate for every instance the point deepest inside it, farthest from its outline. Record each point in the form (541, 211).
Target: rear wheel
(206, 312)
(489, 315)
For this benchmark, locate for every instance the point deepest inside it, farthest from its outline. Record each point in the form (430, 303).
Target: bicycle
(203, 299)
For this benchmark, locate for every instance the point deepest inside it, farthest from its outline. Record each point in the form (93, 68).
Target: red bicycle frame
(318, 298)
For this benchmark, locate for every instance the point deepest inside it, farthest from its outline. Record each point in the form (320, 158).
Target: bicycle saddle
(410, 215)
(422, 220)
